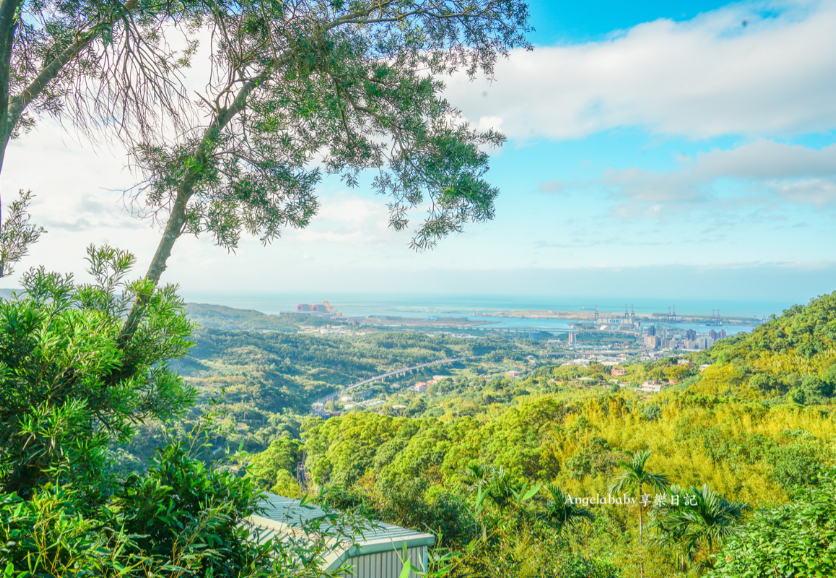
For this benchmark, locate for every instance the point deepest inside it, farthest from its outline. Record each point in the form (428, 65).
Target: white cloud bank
(701, 78)
(794, 173)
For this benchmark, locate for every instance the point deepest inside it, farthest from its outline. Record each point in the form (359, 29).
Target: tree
(355, 84)
(67, 388)
(181, 518)
(560, 512)
(181, 508)
(17, 234)
(282, 456)
(795, 540)
(632, 480)
(695, 522)
(88, 61)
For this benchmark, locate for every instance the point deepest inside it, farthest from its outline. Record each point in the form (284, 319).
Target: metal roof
(285, 517)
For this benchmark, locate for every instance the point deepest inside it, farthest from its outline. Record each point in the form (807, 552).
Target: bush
(71, 383)
(185, 514)
(797, 540)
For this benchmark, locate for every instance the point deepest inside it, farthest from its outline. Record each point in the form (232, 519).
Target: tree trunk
(641, 533)
(8, 29)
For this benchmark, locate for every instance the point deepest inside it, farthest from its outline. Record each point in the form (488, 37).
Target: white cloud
(814, 191)
(795, 173)
(352, 221)
(705, 77)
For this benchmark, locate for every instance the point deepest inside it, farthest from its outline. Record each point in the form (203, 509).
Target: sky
(655, 149)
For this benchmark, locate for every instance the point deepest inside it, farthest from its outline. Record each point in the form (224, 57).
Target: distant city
(588, 330)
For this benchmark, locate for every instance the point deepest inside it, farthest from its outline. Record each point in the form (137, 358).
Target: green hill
(222, 317)
(792, 358)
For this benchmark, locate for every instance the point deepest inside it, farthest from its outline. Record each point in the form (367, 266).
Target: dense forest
(750, 440)
(265, 381)
(520, 461)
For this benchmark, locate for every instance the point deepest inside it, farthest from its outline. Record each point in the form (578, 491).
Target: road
(384, 376)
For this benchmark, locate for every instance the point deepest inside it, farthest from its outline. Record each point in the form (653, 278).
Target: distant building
(573, 338)
(420, 386)
(372, 403)
(652, 341)
(346, 398)
(717, 335)
(618, 371)
(690, 335)
(687, 362)
(651, 330)
(513, 373)
(652, 386)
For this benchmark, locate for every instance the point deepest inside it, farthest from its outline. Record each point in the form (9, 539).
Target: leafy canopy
(315, 87)
(797, 539)
(70, 384)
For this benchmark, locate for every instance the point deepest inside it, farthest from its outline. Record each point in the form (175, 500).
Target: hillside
(222, 317)
(758, 427)
(790, 359)
(752, 444)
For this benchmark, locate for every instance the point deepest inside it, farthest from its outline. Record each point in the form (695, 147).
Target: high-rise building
(690, 335)
(651, 330)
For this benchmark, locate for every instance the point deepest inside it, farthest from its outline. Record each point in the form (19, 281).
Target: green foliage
(281, 456)
(560, 512)
(181, 518)
(790, 355)
(694, 522)
(69, 383)
(634, 476)
(794, 540)
(50, 535)
(798, 463)
(183, 513)
(17, 234)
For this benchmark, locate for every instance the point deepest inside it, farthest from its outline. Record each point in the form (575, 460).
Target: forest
(752, 438)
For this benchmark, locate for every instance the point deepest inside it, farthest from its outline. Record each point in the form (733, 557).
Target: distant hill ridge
(792, 357)
(222, 317)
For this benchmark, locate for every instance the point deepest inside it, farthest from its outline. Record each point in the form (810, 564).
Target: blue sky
(654, 149)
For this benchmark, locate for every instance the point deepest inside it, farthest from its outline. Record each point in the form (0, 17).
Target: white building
(376, 553)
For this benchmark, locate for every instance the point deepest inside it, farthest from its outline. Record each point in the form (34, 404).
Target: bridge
(384, 376)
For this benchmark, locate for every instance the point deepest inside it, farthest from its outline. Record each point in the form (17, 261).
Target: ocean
(417, 306)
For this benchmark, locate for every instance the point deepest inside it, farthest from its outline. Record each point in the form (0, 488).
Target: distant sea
(471, 305)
